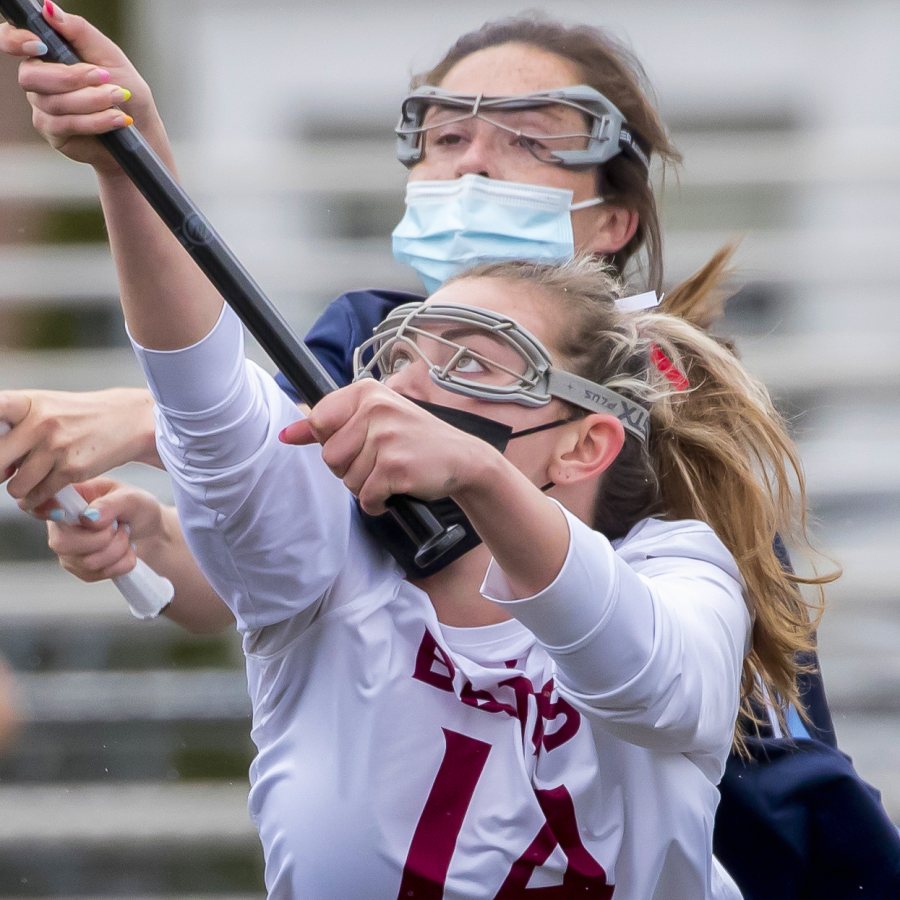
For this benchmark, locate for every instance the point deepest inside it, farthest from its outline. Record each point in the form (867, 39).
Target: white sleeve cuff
(172, 375)
(571, 608)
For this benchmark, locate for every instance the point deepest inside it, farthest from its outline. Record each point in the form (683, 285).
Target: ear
(587, 450)
(614, 227)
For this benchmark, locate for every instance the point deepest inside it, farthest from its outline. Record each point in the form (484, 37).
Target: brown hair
(718, 451)
(606, 64)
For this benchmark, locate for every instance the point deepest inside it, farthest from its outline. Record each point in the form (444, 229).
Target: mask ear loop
(584, 204)
(545, 427)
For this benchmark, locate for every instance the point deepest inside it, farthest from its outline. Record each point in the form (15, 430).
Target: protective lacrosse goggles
(486, 355)
(609, 134)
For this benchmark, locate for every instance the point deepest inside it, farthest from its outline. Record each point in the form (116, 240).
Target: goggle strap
(594, 397)
(631, 141)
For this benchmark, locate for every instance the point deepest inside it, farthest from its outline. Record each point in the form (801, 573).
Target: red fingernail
(50, 8)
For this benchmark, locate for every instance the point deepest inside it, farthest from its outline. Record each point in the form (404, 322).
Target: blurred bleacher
(130, 778)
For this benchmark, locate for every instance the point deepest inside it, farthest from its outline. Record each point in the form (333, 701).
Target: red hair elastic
(667, 367)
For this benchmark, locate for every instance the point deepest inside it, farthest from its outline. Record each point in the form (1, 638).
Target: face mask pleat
(450, 226)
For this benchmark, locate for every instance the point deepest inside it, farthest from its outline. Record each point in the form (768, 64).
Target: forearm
(514, 519)
(135, 437)
(168, 302)
(649, 637)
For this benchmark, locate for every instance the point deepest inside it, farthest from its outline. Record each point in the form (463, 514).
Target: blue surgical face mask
(450, 226)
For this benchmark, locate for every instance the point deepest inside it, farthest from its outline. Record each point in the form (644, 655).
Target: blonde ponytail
(700, 298)
(723, 456)
(718, 449)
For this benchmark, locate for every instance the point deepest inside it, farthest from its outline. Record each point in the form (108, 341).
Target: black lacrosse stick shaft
(184, 219)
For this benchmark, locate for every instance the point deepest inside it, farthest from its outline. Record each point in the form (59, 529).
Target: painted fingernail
(34, 48)
(50, 9)
(99, 76)
(57, 515)
(121, 95)
(126, 121)
(91, 514)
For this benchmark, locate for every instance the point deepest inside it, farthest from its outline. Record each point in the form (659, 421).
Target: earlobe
(588, 453)
(614, 228)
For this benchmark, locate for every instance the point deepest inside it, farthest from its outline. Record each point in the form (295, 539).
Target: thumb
(100, 511)
(114, 502)
(89, 43)
(299, 433)
(106, 502)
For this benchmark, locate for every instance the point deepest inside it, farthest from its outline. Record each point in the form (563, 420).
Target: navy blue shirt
(345, 324)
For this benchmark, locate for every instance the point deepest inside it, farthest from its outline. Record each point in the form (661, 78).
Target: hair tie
(665, 365)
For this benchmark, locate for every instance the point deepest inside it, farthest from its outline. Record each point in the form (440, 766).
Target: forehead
(513, 68)
(524, 303)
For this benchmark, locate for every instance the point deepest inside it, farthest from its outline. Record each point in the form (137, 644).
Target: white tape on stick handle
(146, 593)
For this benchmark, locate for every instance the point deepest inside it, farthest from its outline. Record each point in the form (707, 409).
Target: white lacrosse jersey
(572, 751)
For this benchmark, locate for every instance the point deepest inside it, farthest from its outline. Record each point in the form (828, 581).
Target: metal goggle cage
(609, 134)
(483, 354)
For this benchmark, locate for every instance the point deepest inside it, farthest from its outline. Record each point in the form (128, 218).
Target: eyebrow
(466, 330)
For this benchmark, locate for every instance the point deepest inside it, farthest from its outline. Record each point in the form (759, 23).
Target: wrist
(159, 536)
(144, 449)
(483, 474)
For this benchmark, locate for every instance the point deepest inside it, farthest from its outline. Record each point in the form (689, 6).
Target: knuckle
(329, 456)
(73, 78)
(39, 120)
(26, 74)
(395, 475)
(334, 460)
(66, 472)
(52, 428)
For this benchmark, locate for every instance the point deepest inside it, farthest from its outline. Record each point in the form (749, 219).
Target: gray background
(789, 120)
